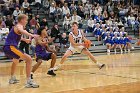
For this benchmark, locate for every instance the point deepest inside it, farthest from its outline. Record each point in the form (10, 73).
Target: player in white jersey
(76, 38)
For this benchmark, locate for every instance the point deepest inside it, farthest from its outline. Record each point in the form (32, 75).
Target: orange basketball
(138, 43)
(87, 43)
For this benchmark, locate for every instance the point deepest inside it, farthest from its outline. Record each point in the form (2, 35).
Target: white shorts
(76, 49)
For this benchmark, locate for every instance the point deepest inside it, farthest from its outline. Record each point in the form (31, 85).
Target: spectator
(29, 12)
(63, 42)
(65, 10)
(58, 14)
(66, 22)
(105, 16)
(55, 33)
(86, 11)
(52, 10)
(9, 22)
(72, 9)
(38, 4)
(25, 4)
(16, 12)
(22, 10)
(37, 18)
(17, 4)
(11, 6)
(33, 22)
(44, 22)
(7, 11)
(90, 24)
(80, 12)
(76, 18)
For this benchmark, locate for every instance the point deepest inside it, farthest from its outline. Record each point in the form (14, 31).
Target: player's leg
(67, 54)
(35, 67)
(13, 79)
(28, 61)
(53, 61)
(88, 53)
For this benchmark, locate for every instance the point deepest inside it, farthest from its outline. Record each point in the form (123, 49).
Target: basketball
(138, 43)
(87, 43)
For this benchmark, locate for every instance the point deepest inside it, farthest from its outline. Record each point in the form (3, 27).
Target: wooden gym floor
(79, 75)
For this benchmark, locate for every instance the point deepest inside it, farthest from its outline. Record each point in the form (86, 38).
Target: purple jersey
(13, 38)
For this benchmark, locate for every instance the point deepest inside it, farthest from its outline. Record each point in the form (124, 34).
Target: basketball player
(11, 50)
(76, 38)
(43, 52)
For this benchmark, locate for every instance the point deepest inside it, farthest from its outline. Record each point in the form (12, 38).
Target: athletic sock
(50, 69)
(99, 64)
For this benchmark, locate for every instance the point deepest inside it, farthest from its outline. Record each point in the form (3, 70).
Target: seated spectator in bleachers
(66, 22)
(111, 32)
(76, 18)
(7, 11)
(121, 42)
(9, 22)
(38, 4)
(104, 32)
(108, 42)
(63, 42)
(29, 12)
(116, 43)
(58, 14)
(11, 6)
(52, 10)
(3, 25)
(37, 26)
(22, 10)
(97, 32)
(80, 11)
(46, 6)
(16, 12)
(55, 33)
(25, 4)
(33, 22)
(44, 22)
(17, 4)
(127, 43)
(37, 17)
(92, 12)
(90, 24)
(105, 16)
(65, 10)
(73, 8)
(86, 11)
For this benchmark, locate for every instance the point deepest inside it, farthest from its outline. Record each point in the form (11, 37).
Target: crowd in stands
(106, 19)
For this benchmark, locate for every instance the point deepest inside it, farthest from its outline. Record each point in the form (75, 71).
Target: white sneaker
(108, 50)
(128, 50)
(57, 67)
(121, 51)
(125, 51)
(13, 80)
(115, 51)
(31, 84)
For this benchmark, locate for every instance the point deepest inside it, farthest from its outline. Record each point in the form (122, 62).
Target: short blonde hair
(21, 16)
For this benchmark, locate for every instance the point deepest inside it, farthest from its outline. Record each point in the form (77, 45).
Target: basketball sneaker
(31, 84)
(57, 67)
(51, 72)
(101, 66)
(13, 80)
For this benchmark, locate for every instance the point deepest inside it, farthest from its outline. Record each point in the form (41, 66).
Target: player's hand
(35, 36)
(28, 41)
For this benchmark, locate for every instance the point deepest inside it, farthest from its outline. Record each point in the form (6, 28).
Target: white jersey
(77, 39)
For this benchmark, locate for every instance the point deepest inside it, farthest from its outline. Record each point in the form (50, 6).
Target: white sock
(99, 64)
(12, 77)
(32, 73)
(50, 69)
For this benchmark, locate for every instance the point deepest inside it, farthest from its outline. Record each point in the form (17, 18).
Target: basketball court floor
(80, 75)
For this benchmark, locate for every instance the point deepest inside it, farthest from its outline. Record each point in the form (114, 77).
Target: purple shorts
(12, 52)
(43, 56)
